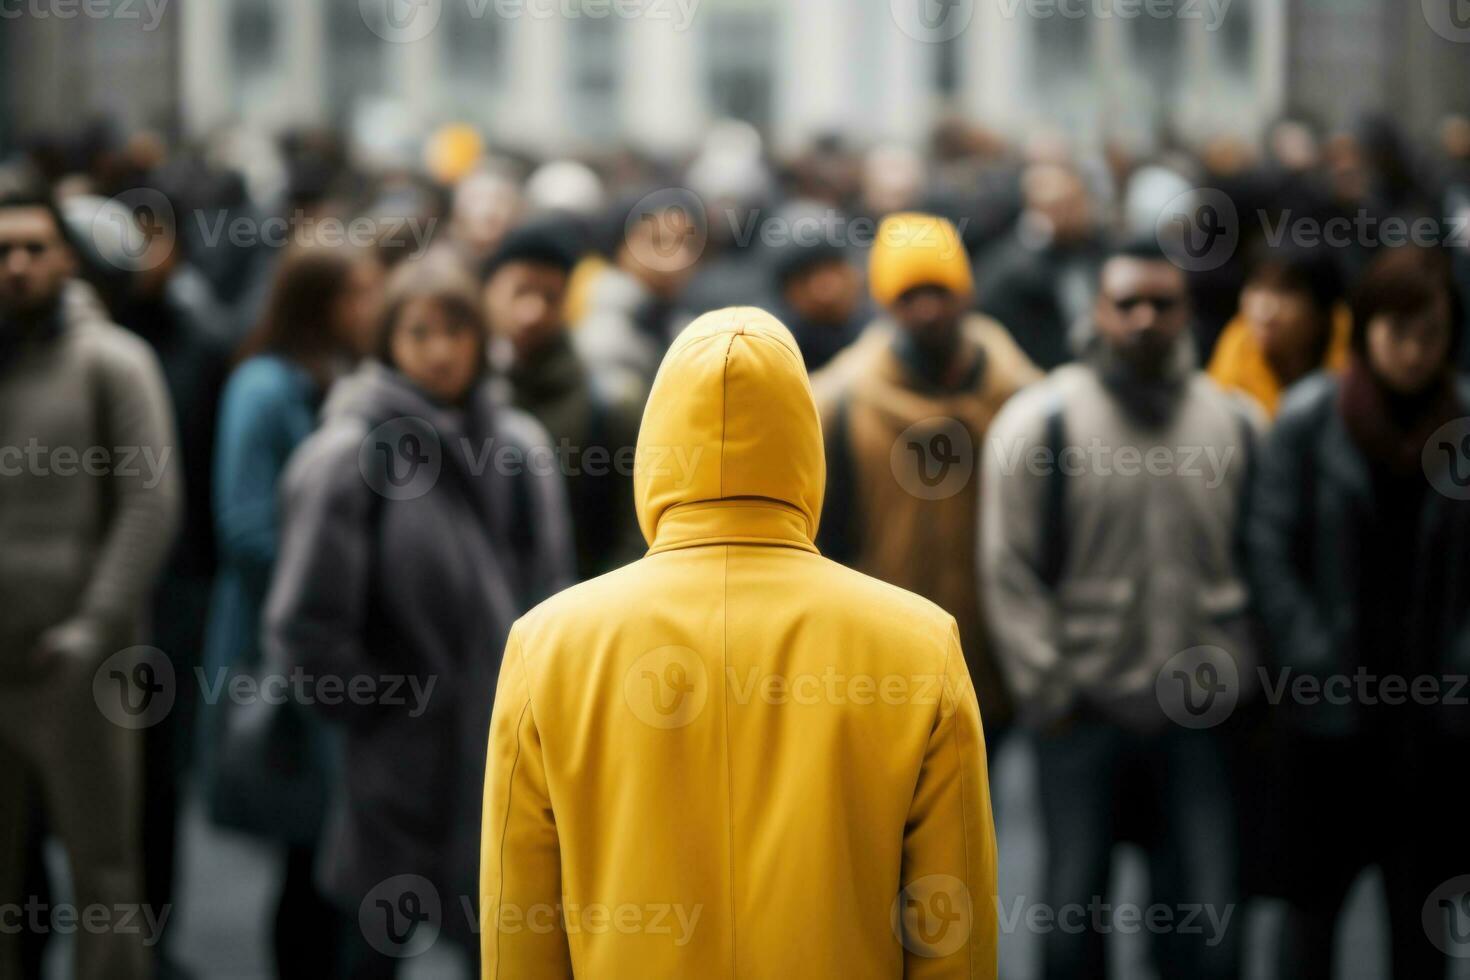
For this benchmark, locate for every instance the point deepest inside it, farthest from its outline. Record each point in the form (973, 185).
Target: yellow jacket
(1239, 363)
(735, 758)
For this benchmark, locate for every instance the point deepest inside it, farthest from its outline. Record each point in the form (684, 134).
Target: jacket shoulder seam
(505, 823)
(964, 791)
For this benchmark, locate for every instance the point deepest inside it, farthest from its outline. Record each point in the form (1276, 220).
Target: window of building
(1157, 45)
(1063, 48)
(253, 35)
(1237, 37)
(947, 66)
(740, 47)
(474, 38)
(356, 66)
(596, 60)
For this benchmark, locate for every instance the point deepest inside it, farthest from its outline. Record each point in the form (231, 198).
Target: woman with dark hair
(318, 322)
(1360, 553)
(1292, 321)
(420, 521)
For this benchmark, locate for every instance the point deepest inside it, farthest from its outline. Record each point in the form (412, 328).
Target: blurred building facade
(568, 75)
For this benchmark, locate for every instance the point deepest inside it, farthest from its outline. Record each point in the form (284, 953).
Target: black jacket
(1039, 294)
(1312, 503)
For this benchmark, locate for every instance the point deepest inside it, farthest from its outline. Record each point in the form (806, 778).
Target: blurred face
(159, 261)
(435, 350)
(35, 262)
(827, 293)
(1060, 197)
(1286, 323)
(931, 315)
(1142, 310)
(660, 249)
(485, 206)
(523, 301)
(359, 306)
(1409, 353)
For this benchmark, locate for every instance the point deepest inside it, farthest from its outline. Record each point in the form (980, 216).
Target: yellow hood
(731, 416)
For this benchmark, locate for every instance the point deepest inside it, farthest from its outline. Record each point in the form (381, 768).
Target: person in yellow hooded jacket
(1292, 322)
(734, 757)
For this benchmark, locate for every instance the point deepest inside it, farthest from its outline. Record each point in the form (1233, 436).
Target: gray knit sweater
(89, 485)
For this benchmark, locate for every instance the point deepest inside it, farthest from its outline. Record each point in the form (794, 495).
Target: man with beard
(89, 502)
(1112, 511)
(903, 411)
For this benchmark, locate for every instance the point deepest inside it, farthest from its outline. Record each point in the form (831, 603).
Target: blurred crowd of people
(315, 368)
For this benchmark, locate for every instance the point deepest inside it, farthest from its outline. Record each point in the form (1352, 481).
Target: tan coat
(914, 459)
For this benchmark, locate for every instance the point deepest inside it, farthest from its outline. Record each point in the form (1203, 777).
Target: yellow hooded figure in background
(1240, 363)
(735, 758)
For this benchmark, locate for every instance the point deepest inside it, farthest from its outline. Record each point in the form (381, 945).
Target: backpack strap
(1054, 526)
(838, 538)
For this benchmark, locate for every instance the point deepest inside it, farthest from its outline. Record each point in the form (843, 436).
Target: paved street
(229, 881)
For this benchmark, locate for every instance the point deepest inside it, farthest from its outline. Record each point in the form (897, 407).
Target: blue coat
(269, 407)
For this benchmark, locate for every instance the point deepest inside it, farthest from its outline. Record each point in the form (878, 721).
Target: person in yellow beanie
(913, 249)
(1292, 322)
(905, 410)
(453, 152)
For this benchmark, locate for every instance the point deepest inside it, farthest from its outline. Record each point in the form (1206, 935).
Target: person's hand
(69, 645)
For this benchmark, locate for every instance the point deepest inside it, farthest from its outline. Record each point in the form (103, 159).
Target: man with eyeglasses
(89, 503)
(1111, 510)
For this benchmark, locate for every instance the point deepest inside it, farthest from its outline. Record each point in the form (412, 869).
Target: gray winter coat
(1107, 554)
(412, 537)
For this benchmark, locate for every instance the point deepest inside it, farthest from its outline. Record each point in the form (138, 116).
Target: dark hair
(1406, 281)
(793, 259)
(441, 280)
(32, 197)
(1311, 272)
(1297, 269)
(1144, 248)
(542, 242)
(297, 322)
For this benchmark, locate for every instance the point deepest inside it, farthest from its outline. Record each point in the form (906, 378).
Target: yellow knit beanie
(913, 249)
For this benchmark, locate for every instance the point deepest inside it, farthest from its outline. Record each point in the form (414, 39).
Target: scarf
(18, 334)
(1389, 428)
